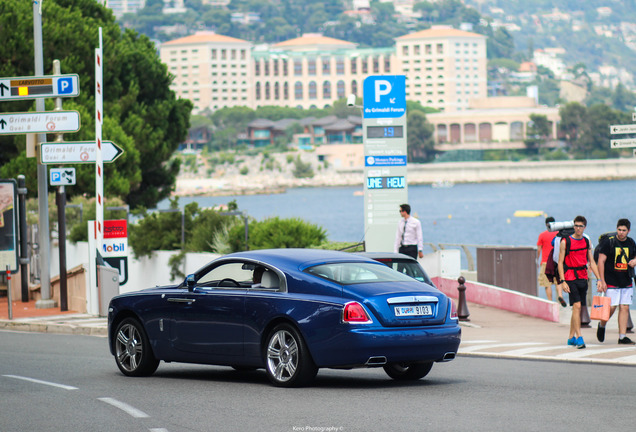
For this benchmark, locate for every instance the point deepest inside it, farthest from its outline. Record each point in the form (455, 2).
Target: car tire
(287, 359)
(408, 371)
(133, 354)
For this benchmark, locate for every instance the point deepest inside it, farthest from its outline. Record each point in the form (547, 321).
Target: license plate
(424, 310)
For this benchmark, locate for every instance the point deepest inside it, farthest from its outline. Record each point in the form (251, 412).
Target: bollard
(462, 306)
(9, 297)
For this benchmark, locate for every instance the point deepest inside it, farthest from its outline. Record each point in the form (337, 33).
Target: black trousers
(410, 250)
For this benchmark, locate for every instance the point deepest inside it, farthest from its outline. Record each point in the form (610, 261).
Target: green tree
(537, 132)
(573, 116)
(277, 233)
(141, 113)
(421, 147)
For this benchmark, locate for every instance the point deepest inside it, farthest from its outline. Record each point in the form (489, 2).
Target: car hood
(383, 298)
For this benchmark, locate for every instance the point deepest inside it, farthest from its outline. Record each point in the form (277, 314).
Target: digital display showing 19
(385, 132)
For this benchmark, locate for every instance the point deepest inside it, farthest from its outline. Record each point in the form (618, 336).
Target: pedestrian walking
(408, 238)
(575, 253)
(544, 247)
(616, 261)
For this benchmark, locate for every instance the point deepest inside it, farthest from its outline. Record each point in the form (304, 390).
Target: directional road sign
(623, 129)
(16, 88)
(623, 143)
(39, 122)
(62, 176)
(72, 152)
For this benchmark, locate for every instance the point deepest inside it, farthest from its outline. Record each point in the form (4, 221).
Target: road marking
(130, 410)
(37, 381)
(478, 342)
(589, 352)
(158, 430)
(532, 350)
(487, 346)
(627, 359)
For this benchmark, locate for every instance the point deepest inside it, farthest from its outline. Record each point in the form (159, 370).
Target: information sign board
(18, 88)
(62, 176)
(8, 226)
(39, 122)
(72, 152)
(385, 158)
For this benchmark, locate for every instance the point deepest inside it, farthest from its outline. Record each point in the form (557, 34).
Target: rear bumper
(420, 344)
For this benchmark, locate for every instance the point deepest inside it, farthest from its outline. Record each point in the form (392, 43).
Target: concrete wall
(142, 273)
(443, 267)
(478, 172)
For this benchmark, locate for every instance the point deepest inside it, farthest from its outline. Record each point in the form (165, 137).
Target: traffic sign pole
(43, 193)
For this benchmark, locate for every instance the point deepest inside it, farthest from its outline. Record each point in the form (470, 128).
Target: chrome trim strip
(181, 300)
(412, 299)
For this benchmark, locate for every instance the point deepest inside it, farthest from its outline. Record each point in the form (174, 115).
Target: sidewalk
(489, 332)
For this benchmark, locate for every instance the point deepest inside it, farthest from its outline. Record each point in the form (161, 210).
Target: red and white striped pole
(99, 161)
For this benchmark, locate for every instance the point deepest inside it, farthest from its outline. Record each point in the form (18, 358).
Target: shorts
(578, 291)
(543, 279)
(620, 296)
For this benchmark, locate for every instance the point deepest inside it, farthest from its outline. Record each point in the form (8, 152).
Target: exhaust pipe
(448, 356)
(376, 361)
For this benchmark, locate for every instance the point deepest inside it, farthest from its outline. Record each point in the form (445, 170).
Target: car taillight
(453, 314)
(354, 313)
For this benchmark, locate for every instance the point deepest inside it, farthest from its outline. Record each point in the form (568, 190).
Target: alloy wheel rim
(282, 356)
(129, 347)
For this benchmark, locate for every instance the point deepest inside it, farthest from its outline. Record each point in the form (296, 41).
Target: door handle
(181, 300)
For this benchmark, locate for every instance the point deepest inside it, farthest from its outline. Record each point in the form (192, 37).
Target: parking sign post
(385, 157)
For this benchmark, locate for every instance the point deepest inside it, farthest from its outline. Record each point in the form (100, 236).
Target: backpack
(552, 267)
(609, 236)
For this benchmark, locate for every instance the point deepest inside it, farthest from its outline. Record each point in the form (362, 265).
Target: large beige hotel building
(444, 69)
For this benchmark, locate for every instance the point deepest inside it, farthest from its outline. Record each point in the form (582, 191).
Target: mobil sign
(115, 247)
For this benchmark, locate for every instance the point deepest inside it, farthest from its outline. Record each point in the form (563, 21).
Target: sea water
(472, 213)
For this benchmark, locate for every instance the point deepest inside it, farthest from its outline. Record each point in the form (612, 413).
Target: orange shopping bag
(600, 308)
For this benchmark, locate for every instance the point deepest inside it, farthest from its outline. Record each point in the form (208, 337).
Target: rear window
(352, 273)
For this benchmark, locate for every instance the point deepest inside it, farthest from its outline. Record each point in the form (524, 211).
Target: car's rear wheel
(133, 354)
(287, 359)
(408, 371)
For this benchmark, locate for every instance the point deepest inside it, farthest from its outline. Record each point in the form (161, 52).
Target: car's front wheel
(132, 349)
(408, 371)
(287, 359)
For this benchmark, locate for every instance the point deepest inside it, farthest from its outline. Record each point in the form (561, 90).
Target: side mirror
(190, 282)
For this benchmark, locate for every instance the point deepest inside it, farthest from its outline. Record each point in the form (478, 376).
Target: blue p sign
(65, 85)
(384, 96)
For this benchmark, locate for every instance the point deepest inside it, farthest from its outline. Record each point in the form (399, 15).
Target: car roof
(298, 258)
(391, 255)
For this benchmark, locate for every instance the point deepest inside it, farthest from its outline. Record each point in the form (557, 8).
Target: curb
(39, 327)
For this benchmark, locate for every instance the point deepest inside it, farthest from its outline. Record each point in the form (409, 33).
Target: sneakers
(562, 301)
(580, 344)
(600, 333)
(572, 341)
(626, 341)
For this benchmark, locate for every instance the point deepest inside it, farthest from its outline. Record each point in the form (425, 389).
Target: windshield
(359, 272)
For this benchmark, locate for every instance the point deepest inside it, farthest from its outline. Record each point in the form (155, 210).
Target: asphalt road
(51, 382)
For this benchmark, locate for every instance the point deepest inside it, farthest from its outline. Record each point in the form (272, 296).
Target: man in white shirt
(408, 238)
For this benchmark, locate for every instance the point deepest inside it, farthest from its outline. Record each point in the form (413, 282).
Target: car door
(209, 319)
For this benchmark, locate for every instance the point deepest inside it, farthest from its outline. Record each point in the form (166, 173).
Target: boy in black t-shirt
(616, 262)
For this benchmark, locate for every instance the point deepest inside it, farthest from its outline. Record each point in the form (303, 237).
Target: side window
(239, 272)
